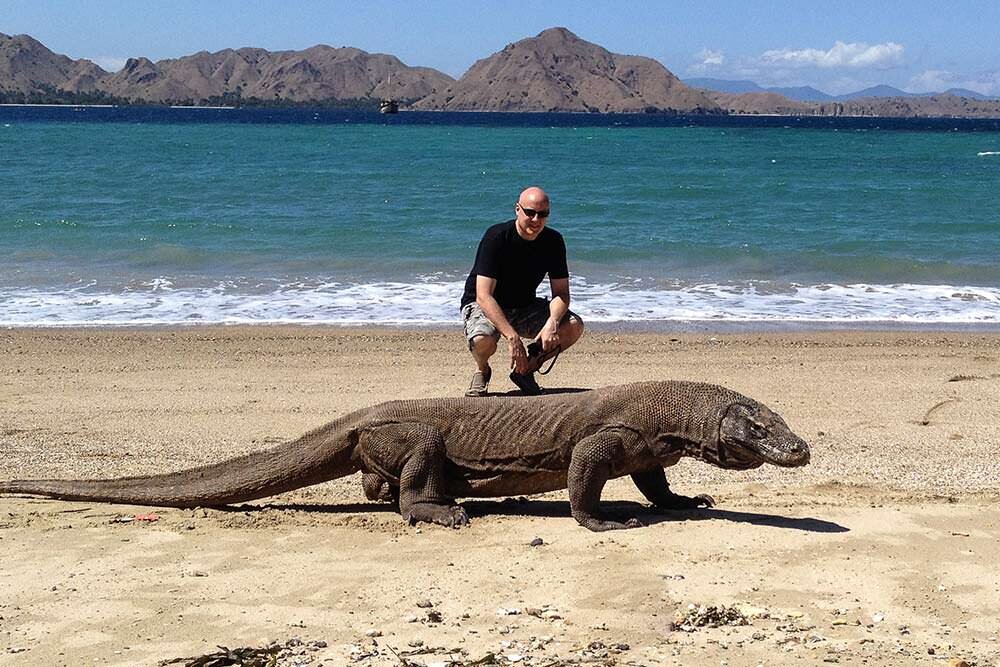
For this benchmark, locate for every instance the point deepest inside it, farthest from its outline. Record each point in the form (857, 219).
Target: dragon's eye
(757, 431)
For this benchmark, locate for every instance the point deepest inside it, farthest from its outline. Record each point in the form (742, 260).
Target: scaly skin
(424, 453)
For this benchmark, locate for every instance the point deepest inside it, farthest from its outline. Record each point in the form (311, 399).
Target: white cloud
(709, 61)
(708, 57)
(852, 55)
(110, 63)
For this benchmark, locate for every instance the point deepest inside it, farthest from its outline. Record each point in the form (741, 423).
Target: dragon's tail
(318, 456)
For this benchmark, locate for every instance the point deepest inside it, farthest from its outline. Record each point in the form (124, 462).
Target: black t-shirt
(517, 265)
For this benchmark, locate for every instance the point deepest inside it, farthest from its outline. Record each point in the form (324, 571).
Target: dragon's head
(750, 435)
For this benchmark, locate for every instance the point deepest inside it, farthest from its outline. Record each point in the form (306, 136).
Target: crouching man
(499, 300)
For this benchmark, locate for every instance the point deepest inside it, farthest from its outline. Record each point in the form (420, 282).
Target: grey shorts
(526, 320)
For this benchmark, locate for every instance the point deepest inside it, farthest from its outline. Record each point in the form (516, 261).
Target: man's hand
(549, 336)
(518, 355)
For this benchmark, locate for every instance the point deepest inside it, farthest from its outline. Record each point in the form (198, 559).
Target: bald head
(532, 210)
(533, 197)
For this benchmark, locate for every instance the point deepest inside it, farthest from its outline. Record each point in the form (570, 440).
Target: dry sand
(881, 552)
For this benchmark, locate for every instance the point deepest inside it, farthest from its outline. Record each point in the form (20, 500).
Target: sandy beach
(881, 552)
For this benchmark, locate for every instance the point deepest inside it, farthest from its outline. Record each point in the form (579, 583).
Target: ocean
(154, 216)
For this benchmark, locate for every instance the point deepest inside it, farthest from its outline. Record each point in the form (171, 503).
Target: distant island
(553, 71)
(810, 94)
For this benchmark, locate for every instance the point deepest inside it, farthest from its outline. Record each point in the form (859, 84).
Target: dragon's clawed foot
(704, 500)
(458, 517)
(452, 516)
(597, 524)
(678, 502)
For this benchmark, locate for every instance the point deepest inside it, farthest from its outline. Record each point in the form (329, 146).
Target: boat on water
(388, 104)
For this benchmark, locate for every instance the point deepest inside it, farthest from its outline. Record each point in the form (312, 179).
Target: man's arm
(557, 311)
(494, 313)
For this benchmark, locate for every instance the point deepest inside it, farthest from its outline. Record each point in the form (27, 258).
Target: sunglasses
(531, 213)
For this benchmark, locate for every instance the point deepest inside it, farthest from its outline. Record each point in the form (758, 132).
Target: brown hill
(320, 73)
(27, 65)
(760, 103)
(558, 71)
(315, 74)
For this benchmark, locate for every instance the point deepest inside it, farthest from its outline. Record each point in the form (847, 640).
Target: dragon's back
(496, 428)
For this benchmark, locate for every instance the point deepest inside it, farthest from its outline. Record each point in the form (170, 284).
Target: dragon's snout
(795, 453)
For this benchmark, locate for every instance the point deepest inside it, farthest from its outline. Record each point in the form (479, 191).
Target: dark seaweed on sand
(225, 657)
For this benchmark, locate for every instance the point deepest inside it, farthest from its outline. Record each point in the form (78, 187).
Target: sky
(835, 46)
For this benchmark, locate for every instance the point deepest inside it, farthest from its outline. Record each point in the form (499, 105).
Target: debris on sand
(510, 654)
(927, 415)
(126, 518)
(272, 655)
(965, 378)
(701, 616)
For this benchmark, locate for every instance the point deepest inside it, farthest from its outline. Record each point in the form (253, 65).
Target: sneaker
(480, 381)
(526, 383)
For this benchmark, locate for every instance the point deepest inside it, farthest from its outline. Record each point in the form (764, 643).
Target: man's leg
(483, 347)
(482, 337)
(570, 330)
(529, 322)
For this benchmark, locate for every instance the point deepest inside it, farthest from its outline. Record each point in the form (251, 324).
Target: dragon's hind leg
(415, 455)
(378, 488)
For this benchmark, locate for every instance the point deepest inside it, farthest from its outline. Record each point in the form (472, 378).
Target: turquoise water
(124, 223)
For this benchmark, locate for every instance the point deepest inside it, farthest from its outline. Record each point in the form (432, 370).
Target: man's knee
(570, 330)
(483, 344)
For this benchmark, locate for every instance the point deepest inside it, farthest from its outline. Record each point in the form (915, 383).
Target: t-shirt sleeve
(558, 268)
(487, 257)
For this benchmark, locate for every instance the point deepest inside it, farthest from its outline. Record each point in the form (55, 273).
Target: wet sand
(881, 552)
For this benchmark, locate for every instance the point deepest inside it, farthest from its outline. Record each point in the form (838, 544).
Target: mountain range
(554, 71)
(30, 71)
(810, 94)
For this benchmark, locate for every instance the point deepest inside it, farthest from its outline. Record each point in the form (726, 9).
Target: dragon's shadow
(619, 510)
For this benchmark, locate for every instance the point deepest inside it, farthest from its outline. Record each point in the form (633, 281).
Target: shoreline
(623, 326)
(656, 119)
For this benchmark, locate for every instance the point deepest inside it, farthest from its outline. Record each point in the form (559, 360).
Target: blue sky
(835, 46)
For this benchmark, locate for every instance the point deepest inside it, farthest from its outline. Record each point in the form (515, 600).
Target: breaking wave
(435, 302)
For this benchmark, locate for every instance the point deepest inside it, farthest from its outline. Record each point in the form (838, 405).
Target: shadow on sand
(620, 511)
(623, 510)
(546, 392)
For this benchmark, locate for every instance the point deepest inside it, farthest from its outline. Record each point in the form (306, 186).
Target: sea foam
(436, 303)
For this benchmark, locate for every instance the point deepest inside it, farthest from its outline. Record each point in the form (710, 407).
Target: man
(499, 299)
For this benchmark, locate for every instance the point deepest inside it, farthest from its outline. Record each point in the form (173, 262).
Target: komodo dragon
(427, 452)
